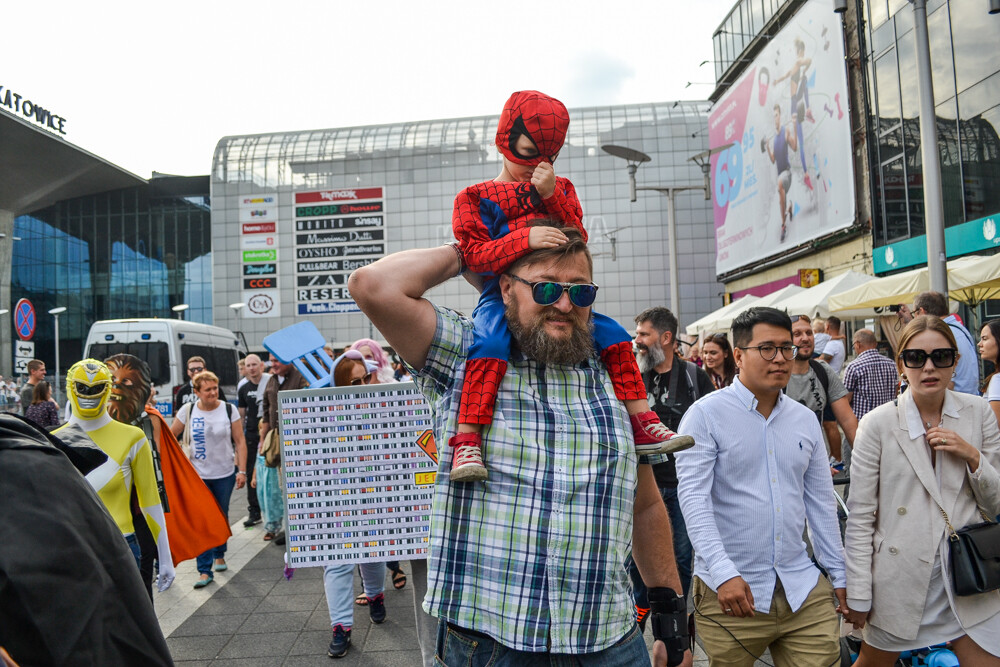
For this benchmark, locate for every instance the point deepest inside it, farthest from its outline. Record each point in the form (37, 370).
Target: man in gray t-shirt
(808, 389)
(36, 373)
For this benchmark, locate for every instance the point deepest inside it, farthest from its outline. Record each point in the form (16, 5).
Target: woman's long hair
(729, 361)
(42, 393)
(994, 326)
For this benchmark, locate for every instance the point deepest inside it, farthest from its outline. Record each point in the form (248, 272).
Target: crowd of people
(592, 483)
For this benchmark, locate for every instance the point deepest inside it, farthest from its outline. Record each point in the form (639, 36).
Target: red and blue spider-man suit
(490, 221)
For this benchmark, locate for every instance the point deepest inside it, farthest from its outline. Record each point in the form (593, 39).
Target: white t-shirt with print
(212, 452)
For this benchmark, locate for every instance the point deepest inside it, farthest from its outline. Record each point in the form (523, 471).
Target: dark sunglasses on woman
(943, 357)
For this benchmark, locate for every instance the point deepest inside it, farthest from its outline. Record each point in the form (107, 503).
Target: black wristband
(669, 621)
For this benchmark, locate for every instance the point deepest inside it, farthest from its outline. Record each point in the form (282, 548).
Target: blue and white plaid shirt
(533, 557)
(873, 379)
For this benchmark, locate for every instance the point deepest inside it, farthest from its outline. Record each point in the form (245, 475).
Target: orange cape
(194, 523)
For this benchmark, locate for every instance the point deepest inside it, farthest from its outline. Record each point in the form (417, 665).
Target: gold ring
(944, 441)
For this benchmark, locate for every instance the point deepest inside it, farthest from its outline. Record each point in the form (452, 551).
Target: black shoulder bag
(975, 556)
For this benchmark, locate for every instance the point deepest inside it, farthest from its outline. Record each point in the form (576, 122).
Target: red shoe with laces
(652, 437)
(467, 458)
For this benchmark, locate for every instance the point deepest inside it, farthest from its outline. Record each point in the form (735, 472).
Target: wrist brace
(669, 620)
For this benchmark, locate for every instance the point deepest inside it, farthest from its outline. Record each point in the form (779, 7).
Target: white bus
(166, 345)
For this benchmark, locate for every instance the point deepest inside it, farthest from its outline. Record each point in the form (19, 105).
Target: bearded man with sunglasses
(530, 564)
(757, 472)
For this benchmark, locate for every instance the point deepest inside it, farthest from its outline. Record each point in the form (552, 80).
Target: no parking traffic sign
(24, 319)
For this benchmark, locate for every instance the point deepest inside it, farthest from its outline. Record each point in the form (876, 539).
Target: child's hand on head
(544, 179)
(545, 237)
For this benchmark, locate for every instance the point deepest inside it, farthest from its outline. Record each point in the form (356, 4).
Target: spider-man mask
(541, 118)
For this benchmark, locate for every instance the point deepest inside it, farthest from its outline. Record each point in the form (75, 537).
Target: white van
(166, 345)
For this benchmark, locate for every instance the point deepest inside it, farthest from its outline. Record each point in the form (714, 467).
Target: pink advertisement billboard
(787, 175)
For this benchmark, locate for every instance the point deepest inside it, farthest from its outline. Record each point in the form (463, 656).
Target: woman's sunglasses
(547, 293)
(943, 357)
(362, 380)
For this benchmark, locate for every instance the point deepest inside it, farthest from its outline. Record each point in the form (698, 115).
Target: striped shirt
(873, 379)
(746, 489)
(534, 557)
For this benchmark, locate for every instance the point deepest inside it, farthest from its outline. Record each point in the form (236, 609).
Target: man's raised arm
(390, 292)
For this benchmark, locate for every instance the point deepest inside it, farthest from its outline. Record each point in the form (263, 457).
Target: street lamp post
(179, 309)
(634, 158)
(238, 310)
(56, 312)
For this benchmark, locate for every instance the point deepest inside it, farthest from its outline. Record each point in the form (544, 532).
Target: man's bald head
(254, 367)
(864, 339)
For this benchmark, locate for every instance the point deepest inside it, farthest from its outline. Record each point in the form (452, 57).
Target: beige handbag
(271, 448)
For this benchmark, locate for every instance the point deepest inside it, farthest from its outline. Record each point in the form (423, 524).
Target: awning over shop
(725, 322)
(706, 323)
(814, 301)
(971, 280)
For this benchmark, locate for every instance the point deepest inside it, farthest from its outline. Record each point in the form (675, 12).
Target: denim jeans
(462, 648)
(133, 545)
(222, 489)
(683, 554)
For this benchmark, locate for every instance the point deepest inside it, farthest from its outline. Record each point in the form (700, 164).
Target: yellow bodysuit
(130, 461)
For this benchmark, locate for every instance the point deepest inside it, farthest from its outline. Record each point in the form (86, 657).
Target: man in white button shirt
(757, 472)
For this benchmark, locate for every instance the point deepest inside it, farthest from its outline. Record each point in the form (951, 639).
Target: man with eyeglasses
(530, 563)
(757, 473)
(186, 393)
(814, 384)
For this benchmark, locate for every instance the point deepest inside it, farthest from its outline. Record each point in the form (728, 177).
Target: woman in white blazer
(931, 449)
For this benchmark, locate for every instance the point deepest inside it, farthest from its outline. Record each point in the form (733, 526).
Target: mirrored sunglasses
(546, 293)
(943, 357)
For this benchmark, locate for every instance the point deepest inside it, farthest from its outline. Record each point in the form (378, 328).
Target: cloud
(598, 78)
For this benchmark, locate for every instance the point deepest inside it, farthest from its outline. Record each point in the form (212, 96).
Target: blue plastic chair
(301, 345)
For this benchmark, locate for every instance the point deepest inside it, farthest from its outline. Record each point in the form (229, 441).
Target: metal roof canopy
(38, 168)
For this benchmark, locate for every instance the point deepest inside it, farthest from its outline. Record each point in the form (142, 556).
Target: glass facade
(421, 166)
(967, 99)
(744, 22)
(126, 253)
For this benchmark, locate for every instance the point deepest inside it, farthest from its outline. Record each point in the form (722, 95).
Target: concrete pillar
(6, 321)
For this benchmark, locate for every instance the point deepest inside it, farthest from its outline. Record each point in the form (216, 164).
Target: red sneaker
(652, 437)
(808, 182)
(467, 458)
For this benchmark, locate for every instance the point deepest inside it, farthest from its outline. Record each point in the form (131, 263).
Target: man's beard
(537, 344)
(650, 357)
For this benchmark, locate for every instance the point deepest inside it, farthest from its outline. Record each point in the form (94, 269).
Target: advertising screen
(787, 175)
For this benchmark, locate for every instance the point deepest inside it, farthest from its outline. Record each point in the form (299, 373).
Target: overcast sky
(154, 86)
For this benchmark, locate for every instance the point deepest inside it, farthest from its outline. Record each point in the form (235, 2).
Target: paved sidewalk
(250, 615)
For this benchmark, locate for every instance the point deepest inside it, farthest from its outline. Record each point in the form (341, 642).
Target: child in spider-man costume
(490, 221)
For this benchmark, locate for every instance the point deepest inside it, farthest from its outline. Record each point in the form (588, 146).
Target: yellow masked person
(130, 461)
